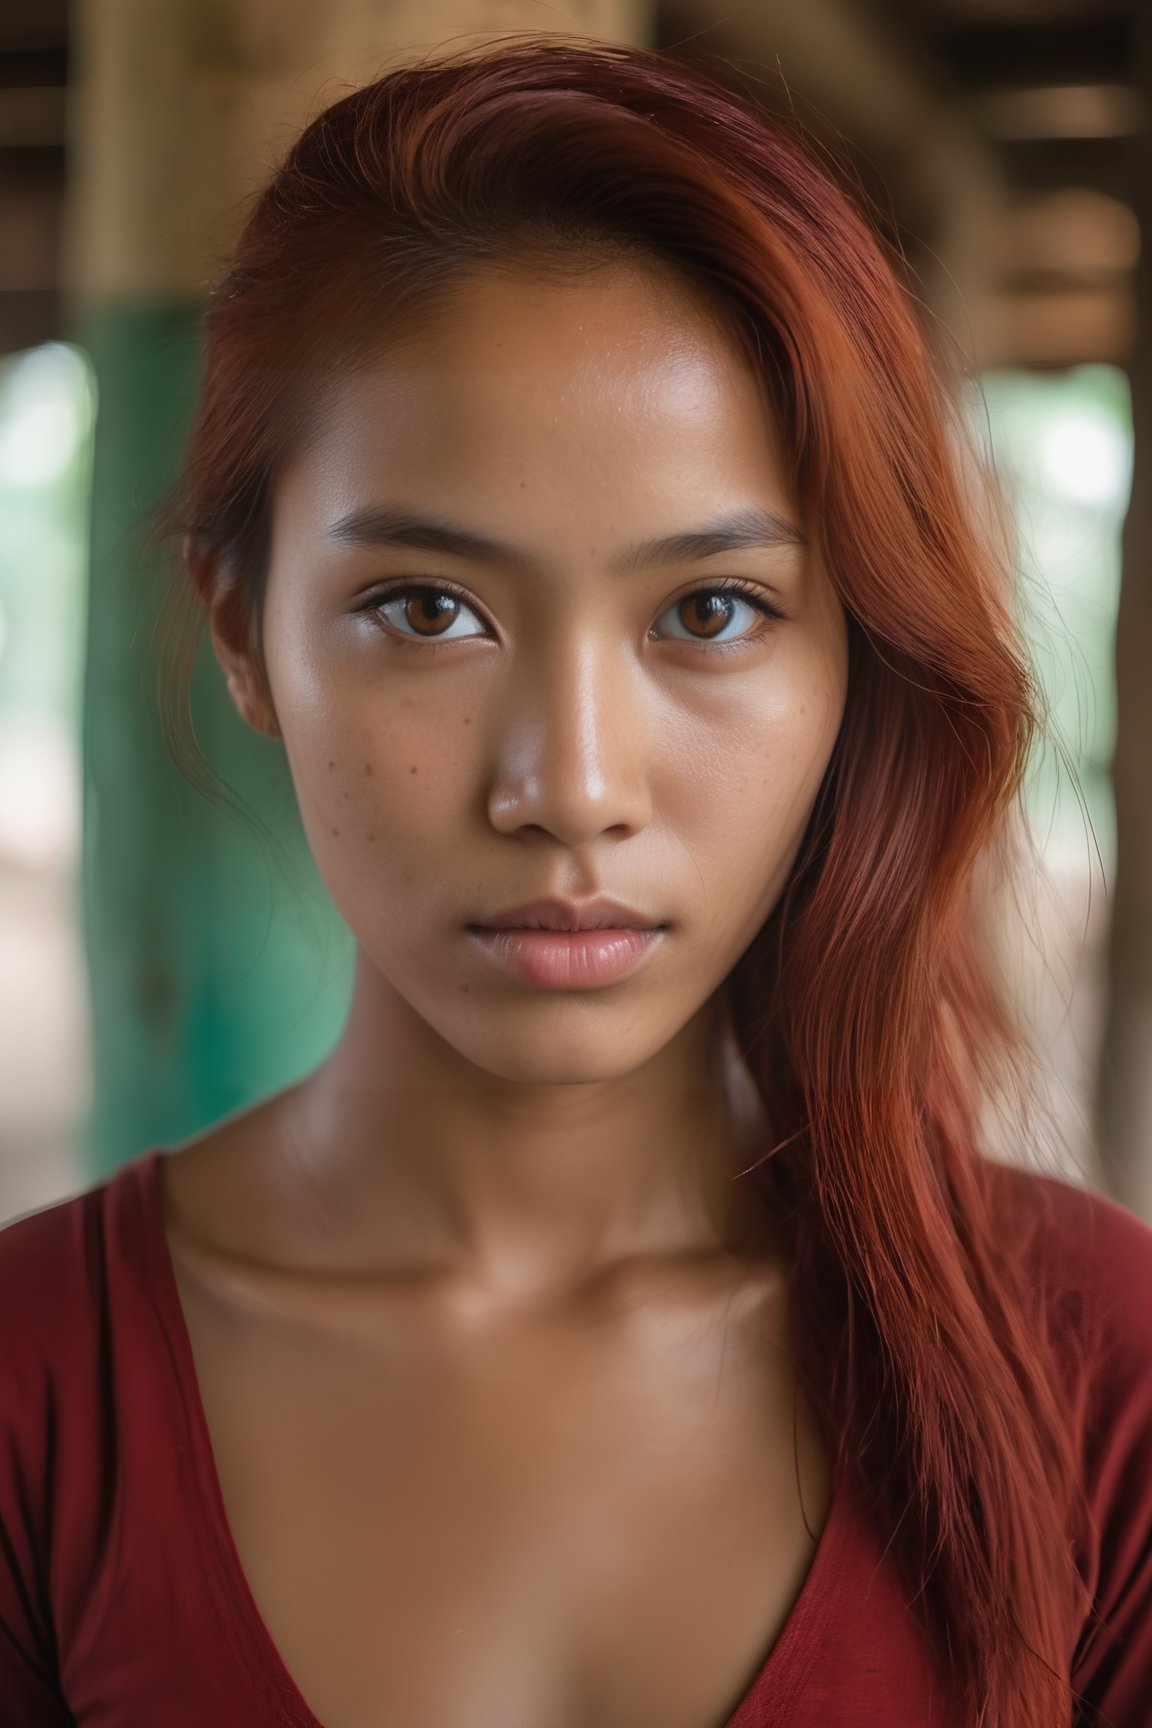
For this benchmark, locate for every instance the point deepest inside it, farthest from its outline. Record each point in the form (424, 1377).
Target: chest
(555, 1523)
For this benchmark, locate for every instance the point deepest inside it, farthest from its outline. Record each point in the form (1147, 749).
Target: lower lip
(567, 960)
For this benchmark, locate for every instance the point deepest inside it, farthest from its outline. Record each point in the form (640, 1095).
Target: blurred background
(159, 967)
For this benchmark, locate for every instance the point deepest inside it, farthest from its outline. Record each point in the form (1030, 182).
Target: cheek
(799, 746)
(752, 808)
(378, 784)
(772, 756)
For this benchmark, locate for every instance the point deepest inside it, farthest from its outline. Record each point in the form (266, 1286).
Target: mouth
(550, 959)
(605, 929)
(570, 916)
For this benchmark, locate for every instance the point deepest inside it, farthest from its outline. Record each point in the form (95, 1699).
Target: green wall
(218, 968)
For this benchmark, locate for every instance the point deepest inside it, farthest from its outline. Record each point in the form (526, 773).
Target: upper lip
(599, 914)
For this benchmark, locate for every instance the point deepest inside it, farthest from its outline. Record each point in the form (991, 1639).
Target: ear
(232, 628)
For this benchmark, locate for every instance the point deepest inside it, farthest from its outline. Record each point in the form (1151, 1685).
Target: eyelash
(730, 585)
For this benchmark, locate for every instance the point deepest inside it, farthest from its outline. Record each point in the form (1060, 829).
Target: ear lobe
(246, 688)
(229, 613)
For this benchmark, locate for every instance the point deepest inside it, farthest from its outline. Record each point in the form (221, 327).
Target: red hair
(869, 1020)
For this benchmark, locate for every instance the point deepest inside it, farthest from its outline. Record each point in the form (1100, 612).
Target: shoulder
(43, 1256)
(54, 1272)
(65, 1271)
(1071, 1234)
(49, 1277)
(1091, 1259)
(46, 1349)
(1083, 1250)
(54, 1446)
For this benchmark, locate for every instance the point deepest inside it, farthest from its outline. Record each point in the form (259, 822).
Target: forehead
(616, 386)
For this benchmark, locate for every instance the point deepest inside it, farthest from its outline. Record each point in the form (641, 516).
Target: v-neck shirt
(124, 1602)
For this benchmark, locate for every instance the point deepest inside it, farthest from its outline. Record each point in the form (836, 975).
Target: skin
(481, 1166)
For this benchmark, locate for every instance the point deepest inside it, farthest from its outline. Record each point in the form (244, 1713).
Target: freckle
(367, 767)
(412, 770)
(331, 765)
(467, 719)
(335, 830)
(371, 836)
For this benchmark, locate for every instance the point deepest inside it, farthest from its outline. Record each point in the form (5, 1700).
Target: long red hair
(865, 1010)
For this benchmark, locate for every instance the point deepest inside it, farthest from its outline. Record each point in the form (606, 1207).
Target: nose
(574, 748)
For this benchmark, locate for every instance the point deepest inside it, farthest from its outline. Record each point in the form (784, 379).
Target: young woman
(627, 1323)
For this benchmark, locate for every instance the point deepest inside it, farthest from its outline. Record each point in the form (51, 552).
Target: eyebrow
(755, 529)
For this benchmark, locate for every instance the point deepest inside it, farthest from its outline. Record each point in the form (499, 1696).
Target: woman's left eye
(442, 606)
(715, 608)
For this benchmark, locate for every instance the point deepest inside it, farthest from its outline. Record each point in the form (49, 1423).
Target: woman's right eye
(423, 606)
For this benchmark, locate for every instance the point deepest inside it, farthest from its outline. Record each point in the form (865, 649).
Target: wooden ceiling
(1054, 86)
(1045, 87)
(992, 53)
(33, 80)
(1001, 136)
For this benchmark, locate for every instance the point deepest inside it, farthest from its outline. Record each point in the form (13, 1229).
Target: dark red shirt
(123, 1603)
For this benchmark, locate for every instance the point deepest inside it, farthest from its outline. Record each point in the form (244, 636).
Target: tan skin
(493, 1342)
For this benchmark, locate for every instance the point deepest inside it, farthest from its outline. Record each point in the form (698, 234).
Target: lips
(565, 915)
(566, 960)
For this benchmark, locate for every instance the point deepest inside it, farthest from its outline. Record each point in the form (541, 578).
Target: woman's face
(502, 670)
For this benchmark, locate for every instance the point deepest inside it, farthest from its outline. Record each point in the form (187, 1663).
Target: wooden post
(1124, 1099)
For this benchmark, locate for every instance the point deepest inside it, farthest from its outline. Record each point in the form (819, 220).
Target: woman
(625, 1324)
